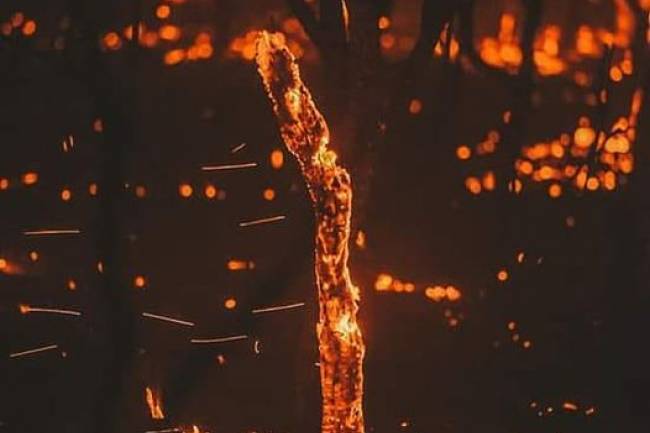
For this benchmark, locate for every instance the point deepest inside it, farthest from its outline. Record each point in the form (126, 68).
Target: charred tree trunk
(306, 135)
(115, 108)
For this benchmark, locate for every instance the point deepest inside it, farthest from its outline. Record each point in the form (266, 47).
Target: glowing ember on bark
(306, 135)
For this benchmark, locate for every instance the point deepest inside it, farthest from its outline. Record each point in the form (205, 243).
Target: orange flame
(566, 159)
(443, 47)
(503, 52)
(154, 403)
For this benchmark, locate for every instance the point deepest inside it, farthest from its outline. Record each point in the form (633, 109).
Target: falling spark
(24, 309)
(167, 319)
(229, 166)
(167, 430)
(590, 411)
(51, 232)
(238, 148)
(68, 143)
(256, 347)
(32, 351)
(306, 135)
(569, 406)
(218, 339)
(262, 221)
(346, 19)
(278, 308)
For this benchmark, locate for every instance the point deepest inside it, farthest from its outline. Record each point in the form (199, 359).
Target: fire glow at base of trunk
(306, 135)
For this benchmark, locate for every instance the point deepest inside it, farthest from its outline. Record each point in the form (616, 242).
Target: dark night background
(580, 295)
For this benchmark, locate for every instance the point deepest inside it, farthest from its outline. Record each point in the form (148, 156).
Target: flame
(244, 46)
(625, 24)
(503, 52)
(587, 43)
(346, 327)
(306, 135)
(200, 49)
(154, 403)
(588, 158)
(547, 49)
(441, 47)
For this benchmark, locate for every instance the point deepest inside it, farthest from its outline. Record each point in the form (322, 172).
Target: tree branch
(522, 88)
(306, 135)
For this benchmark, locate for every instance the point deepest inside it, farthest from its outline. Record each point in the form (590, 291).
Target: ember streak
(306, 135)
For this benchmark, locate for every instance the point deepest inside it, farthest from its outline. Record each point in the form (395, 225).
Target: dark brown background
(584, 307)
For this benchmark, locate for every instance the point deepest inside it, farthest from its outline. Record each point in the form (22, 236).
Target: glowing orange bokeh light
(139, 281)
(185, 190)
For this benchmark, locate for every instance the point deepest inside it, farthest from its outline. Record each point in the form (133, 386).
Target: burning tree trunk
(306, 135)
